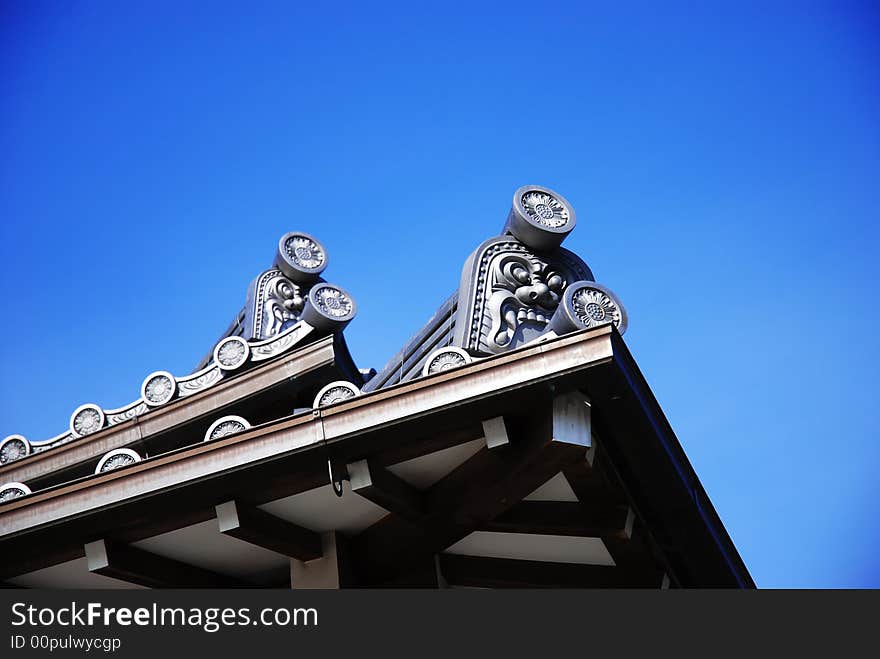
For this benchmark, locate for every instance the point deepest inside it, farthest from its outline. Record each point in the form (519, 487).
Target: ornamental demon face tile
(281, 306)
(509, 293)
(526, 292)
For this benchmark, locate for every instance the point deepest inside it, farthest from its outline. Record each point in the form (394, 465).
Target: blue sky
(722, 159)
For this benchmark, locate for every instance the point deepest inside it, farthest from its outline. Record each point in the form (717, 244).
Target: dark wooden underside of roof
(638, 465)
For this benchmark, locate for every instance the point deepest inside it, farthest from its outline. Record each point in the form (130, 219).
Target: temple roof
(515, 412)
(446, 464)
(516, 288)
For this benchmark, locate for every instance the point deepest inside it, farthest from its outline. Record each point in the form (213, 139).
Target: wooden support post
(331, 571)
(441, 580)
(264, 530)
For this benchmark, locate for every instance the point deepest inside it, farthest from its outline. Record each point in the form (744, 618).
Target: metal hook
(337, 485)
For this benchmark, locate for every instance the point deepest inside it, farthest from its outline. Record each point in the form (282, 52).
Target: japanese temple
(512, 442)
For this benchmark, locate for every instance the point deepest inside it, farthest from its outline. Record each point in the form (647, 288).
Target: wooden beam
(424, 574)
(133, 503)
(267, 531)
(144, 568)
(443, 435)
(592, 481)
(495, 432)
(175, 418)
(572, 419)
(596, 484)
(683, 525)
(139, 502)
(561, 518)
(481, 571)
(385, 489)
(466, 499)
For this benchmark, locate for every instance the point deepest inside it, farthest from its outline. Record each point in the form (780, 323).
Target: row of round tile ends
(230, 354)
(157, 389)
(17, 446)
(440, 360)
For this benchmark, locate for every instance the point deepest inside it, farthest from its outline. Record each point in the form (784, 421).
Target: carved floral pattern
(203, 381)
(545, 209)
(159, 389)
(232, 353)
(267, 349)
(87, 420)
(333, 302)
(304, 252)
(335, 395)
(593, 307)
(229, 427)
(445, 361)
(117, 461)
(9, 493)
(127, 413)
(13, 448)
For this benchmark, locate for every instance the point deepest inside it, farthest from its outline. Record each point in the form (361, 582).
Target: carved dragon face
(525, 293)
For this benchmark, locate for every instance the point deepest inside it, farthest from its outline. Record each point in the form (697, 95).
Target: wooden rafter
(387, 490)
(465, 500)
(561, 518)
(259, 528)
(596, 485)
(488, 572)
(143, 568)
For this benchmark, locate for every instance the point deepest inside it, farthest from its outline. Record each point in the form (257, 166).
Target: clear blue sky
(722, 159)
